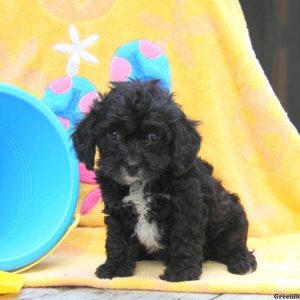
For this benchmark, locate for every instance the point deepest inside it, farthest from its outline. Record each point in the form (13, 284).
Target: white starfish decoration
(77, 50)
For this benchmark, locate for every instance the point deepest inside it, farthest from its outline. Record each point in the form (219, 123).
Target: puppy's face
(140, 133)
(134, 147)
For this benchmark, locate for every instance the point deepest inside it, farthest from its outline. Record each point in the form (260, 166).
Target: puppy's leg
(187, 237)
(121, 251)
(234, 254)
(229, 246)
(186, 259)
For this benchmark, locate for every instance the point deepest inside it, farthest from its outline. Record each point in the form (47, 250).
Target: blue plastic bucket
(39, 179)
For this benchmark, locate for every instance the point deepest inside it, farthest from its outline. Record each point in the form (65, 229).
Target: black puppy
(161, 201)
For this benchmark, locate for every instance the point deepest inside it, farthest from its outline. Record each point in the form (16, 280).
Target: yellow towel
(75, 260)
(217, 79)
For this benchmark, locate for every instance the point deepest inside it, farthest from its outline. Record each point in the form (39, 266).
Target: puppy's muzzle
(132, 167)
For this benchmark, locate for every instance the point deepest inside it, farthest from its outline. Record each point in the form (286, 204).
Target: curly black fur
(144, 136)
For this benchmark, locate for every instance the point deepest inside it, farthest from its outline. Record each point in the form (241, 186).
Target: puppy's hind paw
(242, 263)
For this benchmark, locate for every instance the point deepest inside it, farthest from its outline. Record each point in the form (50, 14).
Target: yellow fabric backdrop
(217, 79)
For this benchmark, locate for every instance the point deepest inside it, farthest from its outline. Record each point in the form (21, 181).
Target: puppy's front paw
(105, 271)
(242, 263)
(175, 274)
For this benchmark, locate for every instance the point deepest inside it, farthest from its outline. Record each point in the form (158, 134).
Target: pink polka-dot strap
(120, 69)
(86, 102)
(61, 85)
(65, 122)
(149, 49)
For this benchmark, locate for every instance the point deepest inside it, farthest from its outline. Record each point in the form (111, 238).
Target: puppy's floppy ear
(84, 140)
(186, 145)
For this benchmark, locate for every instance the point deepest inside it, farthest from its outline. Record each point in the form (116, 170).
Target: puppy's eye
(113, 135)
(153, 138)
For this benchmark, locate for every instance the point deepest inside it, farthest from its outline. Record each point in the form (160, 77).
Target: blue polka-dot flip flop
(142, 60)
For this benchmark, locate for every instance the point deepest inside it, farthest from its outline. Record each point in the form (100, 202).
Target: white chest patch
(147, 233)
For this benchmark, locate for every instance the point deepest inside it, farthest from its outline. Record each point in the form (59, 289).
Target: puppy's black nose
(132, 167)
